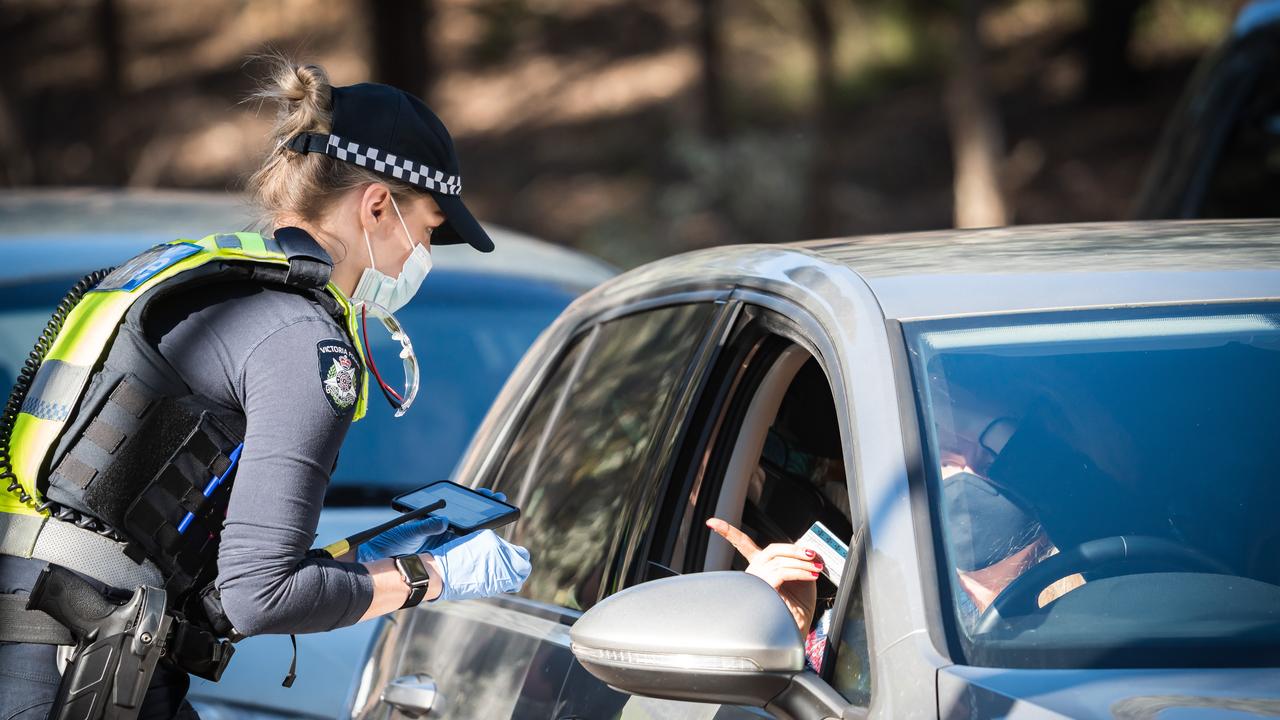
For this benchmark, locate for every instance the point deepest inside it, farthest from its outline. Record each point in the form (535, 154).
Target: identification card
(833, 552)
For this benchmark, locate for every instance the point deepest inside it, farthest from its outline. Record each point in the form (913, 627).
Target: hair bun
(302, 94)
(310, 86)
(295, 185)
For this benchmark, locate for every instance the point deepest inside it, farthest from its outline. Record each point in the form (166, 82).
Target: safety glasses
(400, 400)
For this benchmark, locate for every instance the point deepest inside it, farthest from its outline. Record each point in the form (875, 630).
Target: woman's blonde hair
(304, 185)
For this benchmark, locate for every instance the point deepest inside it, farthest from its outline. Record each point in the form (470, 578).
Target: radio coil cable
(17, 396)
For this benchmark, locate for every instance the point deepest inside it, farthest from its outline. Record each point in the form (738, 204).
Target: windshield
(468, 330)
(1103, 484)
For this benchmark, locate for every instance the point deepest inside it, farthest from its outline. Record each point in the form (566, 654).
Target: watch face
(414, 571)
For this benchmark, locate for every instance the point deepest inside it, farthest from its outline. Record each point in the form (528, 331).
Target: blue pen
(234, 457)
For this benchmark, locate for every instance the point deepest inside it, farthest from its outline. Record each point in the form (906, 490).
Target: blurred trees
(977, 135)
(640, 129)
(398, 44)
(711, 54)
(1107, 35)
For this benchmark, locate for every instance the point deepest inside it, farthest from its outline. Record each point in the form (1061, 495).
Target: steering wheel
(1019, 597)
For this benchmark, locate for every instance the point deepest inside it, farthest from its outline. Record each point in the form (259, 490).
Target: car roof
(1036, 267)
(93, 228)
(999, 270)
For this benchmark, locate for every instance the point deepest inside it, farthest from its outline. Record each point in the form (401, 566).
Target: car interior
(786, 458)
(783, 468)
(1134, 455)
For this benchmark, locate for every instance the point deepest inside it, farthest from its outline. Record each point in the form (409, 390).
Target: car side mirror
(723, 637)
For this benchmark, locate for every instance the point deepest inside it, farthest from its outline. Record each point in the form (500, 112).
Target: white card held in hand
(829, 547)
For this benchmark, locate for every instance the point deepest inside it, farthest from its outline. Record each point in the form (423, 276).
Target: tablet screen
(464, 508)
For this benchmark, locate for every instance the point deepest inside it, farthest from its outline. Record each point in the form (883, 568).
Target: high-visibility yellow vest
(89, 330)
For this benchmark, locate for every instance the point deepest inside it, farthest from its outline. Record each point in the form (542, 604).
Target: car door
(576, 464)
(757, 347)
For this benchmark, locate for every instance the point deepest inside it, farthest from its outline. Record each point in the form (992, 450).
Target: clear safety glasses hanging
(400, 400)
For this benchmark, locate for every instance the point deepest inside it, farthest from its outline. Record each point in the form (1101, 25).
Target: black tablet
(466, 509)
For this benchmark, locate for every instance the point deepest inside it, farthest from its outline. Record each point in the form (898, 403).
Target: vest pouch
(154, 520)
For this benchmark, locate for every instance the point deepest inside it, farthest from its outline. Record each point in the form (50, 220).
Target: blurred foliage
(501, 21)
(749, 179)
(586, 121)
(1171, 26)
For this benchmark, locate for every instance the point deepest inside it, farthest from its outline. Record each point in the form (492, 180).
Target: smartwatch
(414, 573)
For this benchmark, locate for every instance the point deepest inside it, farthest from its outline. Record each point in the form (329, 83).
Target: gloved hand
(402, 539)
(436, 541)
(480, 565)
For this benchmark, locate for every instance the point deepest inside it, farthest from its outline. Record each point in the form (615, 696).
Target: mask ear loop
(407, 237)
(372, 263)
(387, 391)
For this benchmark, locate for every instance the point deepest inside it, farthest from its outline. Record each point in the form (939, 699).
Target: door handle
(413, 695)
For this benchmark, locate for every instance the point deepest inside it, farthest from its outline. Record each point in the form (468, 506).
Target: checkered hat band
(379, 161)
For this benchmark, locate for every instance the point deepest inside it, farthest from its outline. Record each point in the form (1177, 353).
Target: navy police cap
(393, 133)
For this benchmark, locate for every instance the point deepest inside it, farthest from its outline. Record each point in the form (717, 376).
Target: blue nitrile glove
(480, 565)
(436, 541)
(401, 539)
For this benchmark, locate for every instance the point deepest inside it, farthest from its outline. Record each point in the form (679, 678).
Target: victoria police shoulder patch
(339, 374)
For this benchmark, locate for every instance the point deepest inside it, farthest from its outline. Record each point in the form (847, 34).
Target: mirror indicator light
(679, 661)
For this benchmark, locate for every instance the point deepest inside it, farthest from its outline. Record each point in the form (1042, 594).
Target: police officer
(179, 419)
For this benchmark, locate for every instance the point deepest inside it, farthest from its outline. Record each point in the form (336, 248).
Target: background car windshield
(468, 330)
(468, 333)
(1103, 484)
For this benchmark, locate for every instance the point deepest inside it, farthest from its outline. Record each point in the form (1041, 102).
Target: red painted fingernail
(809, 553)
(815, 574)
(818, 563)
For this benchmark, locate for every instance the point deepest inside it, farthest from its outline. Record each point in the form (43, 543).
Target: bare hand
(789, 569)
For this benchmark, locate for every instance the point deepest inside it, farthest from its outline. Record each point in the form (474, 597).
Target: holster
(117, 645)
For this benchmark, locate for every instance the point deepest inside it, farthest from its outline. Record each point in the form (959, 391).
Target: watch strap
(416, 593)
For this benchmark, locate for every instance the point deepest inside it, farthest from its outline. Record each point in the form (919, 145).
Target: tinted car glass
(520, 458)
(468, 333)
(1119, 462)
(586, 471)
(851, 676)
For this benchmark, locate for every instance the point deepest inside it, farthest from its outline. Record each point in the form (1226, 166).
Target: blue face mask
(377, 288)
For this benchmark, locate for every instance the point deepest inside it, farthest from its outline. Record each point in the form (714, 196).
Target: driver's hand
(789, 569)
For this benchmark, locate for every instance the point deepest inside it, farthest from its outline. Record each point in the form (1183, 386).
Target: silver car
(1051, 450)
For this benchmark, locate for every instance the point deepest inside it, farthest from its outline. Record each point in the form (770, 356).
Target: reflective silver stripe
(84, 551)
(55, 390)
(227, 240)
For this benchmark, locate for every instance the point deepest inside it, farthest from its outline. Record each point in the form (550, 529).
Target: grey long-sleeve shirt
(276, 358)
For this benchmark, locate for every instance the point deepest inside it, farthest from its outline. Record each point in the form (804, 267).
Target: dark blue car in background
(471, 323)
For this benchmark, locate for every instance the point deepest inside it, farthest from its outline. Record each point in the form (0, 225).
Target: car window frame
(933, 582)
(793, 322)
(760, 315)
